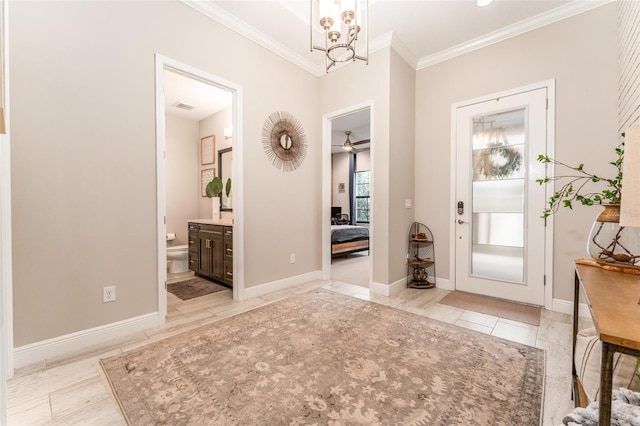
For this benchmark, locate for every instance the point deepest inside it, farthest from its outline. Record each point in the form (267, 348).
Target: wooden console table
(613, 303)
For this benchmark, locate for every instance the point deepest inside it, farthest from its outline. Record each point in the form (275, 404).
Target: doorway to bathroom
(197, 122)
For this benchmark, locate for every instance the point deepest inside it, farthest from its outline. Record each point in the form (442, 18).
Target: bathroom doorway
(197, 116)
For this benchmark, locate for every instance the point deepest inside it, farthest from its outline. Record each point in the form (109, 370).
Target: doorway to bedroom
(351, 219)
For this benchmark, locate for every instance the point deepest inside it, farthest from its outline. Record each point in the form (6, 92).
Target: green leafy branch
(575, 185)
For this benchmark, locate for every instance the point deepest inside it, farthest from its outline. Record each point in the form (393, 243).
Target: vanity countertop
(224, 221)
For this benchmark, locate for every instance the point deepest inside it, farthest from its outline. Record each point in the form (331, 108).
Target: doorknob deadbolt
(460, 207)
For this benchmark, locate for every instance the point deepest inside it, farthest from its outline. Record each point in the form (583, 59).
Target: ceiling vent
(182, 105)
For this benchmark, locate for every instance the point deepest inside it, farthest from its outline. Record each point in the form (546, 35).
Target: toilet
(177, 256)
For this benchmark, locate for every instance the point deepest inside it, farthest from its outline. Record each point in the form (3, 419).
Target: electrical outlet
(109, 294)
(292, 258)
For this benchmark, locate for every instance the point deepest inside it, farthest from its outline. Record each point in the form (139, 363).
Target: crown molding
(220, 15)
(571, 9)
(404, 51)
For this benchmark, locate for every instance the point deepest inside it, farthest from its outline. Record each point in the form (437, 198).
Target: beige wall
(84, 160)
(83, 154)
(340, 174)
(401, 163)
(214, 125)
(182, 147)
(580, 53)
(363, 160)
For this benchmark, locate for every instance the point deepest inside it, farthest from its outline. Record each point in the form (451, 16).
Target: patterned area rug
(324, 358)
(194, 287)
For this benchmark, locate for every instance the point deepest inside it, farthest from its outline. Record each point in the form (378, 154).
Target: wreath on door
(498, 161)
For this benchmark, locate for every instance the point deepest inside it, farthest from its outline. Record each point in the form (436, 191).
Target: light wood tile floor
(71, 390)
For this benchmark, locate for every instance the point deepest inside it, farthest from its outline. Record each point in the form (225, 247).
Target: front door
(500, 234)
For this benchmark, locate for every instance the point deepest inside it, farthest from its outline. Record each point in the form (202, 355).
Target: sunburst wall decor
(284, 141)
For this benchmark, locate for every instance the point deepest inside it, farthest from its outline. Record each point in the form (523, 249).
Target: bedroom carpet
(315, 358)
(353, 269)
(492, 306)
(193, 288)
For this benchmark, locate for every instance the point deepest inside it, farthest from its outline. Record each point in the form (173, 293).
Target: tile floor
(71, 390)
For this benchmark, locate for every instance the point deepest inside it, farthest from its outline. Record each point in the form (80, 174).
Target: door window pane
(510, 199)
(498, 196)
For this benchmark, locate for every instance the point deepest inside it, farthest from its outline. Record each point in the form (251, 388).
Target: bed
(349, 239)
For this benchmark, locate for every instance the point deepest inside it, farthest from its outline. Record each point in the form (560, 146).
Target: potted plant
(608, 241)
(213, 190)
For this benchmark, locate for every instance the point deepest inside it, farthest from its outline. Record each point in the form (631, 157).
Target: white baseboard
(266, 288)
(396, 287)
(566, 307)
(388, 289)
(444, 284)
(74, 342)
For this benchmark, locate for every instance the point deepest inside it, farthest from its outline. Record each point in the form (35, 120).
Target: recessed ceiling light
(483, 3)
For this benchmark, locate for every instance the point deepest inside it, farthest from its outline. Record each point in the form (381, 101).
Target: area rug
(323, 358)
(492, 306)
(195, 287)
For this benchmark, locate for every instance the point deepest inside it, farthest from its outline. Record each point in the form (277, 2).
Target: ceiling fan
(351, 146)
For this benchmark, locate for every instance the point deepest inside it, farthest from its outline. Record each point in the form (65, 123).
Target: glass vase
(609, 242)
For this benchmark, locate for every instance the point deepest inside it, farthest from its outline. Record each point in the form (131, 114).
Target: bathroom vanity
(211, 250)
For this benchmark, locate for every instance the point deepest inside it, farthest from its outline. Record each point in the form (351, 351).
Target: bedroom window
(362, 197)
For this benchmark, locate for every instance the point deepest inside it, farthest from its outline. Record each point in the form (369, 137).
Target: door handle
(460, 221)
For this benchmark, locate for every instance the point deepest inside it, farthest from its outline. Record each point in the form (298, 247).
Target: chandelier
(342, 22)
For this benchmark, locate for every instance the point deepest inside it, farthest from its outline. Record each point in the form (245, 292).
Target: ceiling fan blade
(361, 142)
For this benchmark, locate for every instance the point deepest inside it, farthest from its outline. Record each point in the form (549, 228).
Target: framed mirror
(225, 164)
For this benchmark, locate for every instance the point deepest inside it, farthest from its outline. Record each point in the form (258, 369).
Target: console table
(612, 298)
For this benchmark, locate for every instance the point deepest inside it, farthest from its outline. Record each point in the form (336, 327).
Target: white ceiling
(358, 123)
(205, 98)
(424, 32)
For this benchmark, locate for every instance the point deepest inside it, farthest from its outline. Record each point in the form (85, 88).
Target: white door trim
(326, 185)
(162, 63)
(550, 85)
(6, 269)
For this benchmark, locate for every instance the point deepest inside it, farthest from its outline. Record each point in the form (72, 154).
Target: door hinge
(165, 285)
(547, 106)
(545, 222)
(544, 280)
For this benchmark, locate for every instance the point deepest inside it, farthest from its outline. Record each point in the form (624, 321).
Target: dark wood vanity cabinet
(194, 261)
(227, 247)
(212, 250)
